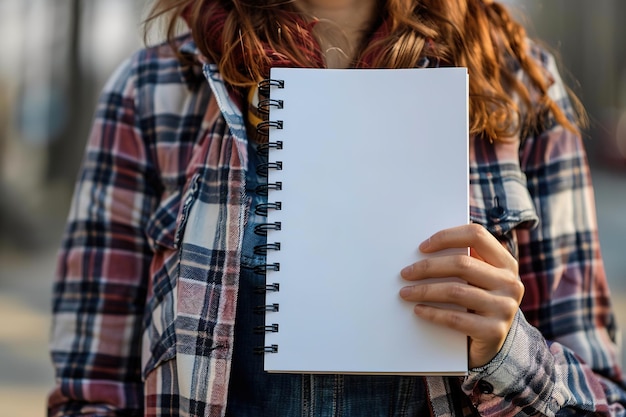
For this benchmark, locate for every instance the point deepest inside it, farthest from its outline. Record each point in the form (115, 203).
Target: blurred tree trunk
(65, 149)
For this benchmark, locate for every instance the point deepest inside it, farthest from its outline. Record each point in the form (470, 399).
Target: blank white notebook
(373, 163)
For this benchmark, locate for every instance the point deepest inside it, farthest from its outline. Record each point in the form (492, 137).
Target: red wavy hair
(246, 38)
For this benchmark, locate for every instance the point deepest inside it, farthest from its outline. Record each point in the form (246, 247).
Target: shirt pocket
(164, 231)
(165, 227)
(501, 202)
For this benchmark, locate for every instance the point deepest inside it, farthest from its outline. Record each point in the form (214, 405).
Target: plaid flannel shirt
(145, 294)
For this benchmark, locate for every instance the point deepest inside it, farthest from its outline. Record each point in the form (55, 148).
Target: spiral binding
(262, 209)
(266, 349)
(262, 249)
(262, 289)
(272, 328)
(263, 169)
(266, 308)
(265, 104)
(263, 268)
(263, 148)
(263, 128)
(264, 85)
(264, 188)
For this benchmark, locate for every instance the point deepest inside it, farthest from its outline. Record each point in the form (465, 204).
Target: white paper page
(374, 161)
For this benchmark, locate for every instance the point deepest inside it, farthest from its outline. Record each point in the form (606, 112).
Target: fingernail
(405, 292)
(424, 245)
(406, 271)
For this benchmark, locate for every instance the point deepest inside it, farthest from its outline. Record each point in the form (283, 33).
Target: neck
(351, 17)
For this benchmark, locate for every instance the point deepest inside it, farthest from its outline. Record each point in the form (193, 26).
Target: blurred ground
(25, 371)
(25, 280)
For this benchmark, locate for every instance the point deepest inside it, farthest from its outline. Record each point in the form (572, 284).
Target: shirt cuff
(516, 376)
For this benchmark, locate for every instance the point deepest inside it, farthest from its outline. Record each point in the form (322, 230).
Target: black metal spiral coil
(262, 209)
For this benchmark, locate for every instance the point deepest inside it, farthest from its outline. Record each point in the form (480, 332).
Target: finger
(462, 295)
(487, 334)
(473, 325)
(472, 270)
(473, 236)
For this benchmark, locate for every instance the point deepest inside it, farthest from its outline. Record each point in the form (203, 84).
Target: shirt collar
(191, 67)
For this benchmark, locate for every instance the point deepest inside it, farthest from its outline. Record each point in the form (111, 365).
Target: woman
(156, 275)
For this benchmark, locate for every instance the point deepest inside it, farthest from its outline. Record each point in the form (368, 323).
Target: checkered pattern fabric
(146, 289)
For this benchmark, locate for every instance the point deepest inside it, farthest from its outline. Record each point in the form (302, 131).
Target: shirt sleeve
(561, 355)
(103, 265)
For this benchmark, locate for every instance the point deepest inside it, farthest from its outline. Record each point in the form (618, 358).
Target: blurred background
(55, 55)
